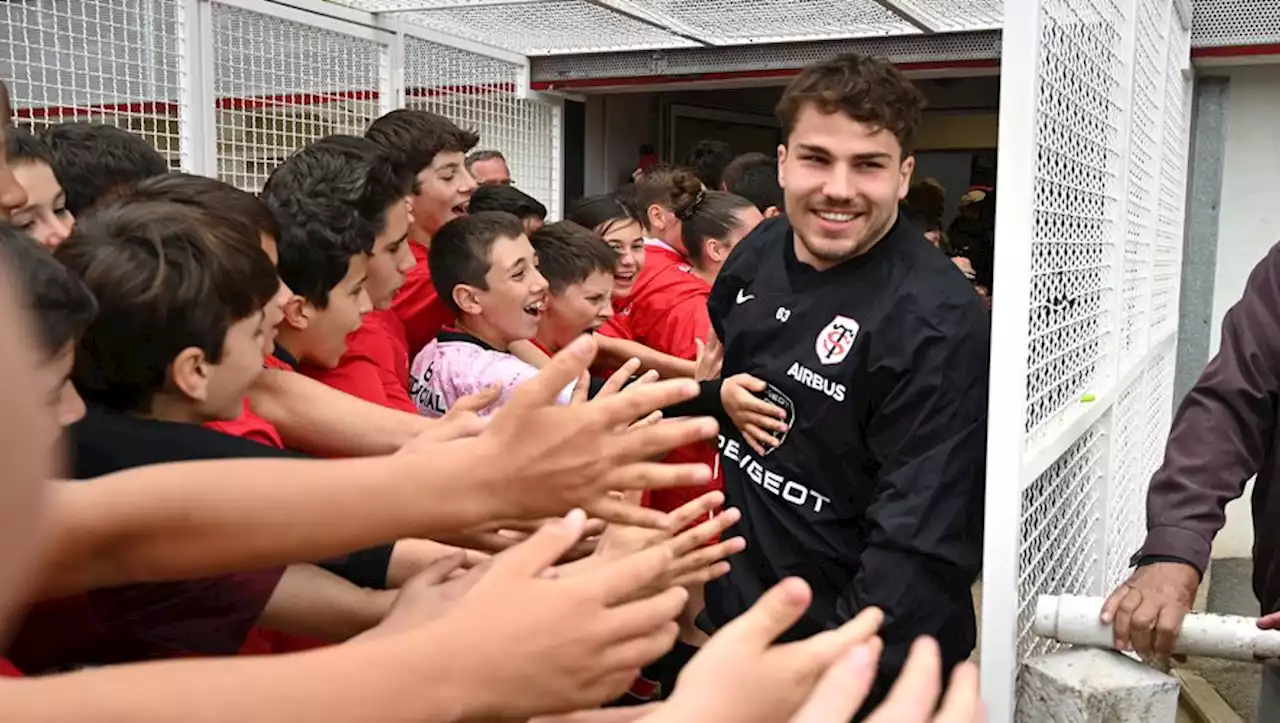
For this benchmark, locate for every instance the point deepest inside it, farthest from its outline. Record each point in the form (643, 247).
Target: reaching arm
(1223, 431)
(318, 604)
(369, 682)
(193, 519)
(617, 351)
(316, 418)
(924, 541)
(528, 352)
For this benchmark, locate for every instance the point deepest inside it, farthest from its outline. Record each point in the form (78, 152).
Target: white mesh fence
(480, 93)
(230, 88)
(100, 61)
(281, 84)
(1089, 242)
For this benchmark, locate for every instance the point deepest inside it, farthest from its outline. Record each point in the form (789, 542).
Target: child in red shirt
(375, 365)
(429, 150)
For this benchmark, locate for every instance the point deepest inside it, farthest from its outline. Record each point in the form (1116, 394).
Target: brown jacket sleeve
(1224, 430)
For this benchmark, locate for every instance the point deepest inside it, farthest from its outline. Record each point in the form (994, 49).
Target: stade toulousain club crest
(836, 339)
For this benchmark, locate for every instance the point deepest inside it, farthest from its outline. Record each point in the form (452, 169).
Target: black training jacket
(875, 496)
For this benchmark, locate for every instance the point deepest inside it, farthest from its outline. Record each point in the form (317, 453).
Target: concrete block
(1094, 686)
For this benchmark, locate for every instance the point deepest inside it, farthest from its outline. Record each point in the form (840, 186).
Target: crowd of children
(379, 443)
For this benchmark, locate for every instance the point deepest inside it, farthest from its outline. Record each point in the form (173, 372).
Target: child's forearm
(196, 519)
(527, 352)
(312, 417)
(618, 351)
(318, 604)
(402, 678)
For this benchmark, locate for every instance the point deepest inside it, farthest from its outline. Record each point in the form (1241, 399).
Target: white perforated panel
(479, 93)
(766, 21)
(1124, 492)
(1146, 102)
(1166, 269)
(559, 26)
(952, 15)
(1060, 523)
(950, 47)
(282, 84)
(1235, 22)
(1094, 254)
(1079, 145)
(104, 61)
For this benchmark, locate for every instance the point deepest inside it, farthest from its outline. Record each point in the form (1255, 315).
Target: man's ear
(782, 162)
(907, 169)
(190, 373)
(298, 313)
(772, 211)
(467, 298)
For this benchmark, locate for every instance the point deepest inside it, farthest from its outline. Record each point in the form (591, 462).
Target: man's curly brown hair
(869, 90)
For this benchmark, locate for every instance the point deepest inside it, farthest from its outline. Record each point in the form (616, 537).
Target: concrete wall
(1248, 225)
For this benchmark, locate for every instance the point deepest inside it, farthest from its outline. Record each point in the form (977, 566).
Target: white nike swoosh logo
(744, 298)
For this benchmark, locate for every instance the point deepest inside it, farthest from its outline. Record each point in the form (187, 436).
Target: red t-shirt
(249, 425)
(8, 671)
(376, 365)
(418, 306)
(667, 311)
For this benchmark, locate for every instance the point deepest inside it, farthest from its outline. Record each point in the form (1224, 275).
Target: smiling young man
(863, 470)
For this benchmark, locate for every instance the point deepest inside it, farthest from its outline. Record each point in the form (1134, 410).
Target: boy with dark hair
(510, 200)
(44, 217)
(298, 412)
(176, 342)
(182, 278)
(94, 160)
(324, 247)
(754, 176)
(373, 187)
(488, 273)
(429, 149)
(578, 267)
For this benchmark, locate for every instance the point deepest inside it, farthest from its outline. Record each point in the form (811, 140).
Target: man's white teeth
(535, 307)
(836, 217)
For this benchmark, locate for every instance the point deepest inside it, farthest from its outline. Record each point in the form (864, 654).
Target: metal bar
(896, 8)
(650, 21)
(1010, 344)
(457, 5)
(308, 12)
(423, 32)
(205, 92)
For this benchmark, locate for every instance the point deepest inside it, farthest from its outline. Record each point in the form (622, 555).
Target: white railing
(230, 87)
(1092, 172)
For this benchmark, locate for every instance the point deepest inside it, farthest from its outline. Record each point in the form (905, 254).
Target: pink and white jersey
(455, 364)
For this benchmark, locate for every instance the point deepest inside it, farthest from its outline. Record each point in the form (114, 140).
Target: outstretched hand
(565, 643)
(547, 457)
